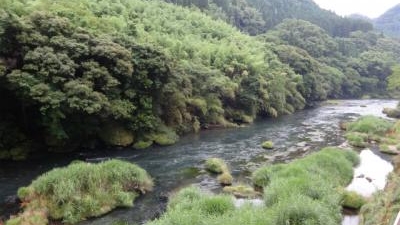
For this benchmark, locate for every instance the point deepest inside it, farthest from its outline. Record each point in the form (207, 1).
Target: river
(176, 166)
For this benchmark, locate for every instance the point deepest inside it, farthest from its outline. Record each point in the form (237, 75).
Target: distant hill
(258, 16)
(389, 22)
(360, 16)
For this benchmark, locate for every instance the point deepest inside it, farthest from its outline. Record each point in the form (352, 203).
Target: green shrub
(357, 139)
(190, 206)
(370, 125)
(268, 145)
(216, 205)
(301, 210)
(83, 190)
(304, 191)
(352, 200)
(216, 165)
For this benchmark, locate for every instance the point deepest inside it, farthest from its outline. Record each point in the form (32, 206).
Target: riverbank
(294, 136)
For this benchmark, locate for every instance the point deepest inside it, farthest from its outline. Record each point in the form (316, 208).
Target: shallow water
(370, 175)
(175, 166)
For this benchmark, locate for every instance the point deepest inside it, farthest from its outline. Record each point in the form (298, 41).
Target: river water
(181, 164)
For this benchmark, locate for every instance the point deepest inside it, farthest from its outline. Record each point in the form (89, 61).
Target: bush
(84, 190)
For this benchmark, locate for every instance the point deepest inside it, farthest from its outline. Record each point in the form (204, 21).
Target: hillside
(258, 16)
(78, 74)
(389, 22)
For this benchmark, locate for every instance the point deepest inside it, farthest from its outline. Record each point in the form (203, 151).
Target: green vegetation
(303, 192)
(384, 206)
(193, 207)
(225, 178)
(388, 23)
(268, 145)
(216, 165)
(144, 72)
(352, 200)
(368, 129)
(81, 190)
(370, 125)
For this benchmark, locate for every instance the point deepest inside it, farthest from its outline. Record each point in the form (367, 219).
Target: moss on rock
(225, 178)
(116, 135)
(242, 191)
(268, 145)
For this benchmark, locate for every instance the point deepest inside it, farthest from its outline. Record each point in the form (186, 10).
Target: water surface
(172, 167)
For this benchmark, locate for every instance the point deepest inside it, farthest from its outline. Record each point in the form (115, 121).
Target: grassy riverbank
(302, 192)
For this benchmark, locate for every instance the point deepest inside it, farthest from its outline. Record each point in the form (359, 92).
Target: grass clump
(371, 129)
(352, 200)
(191, 206)
(225, 178)
(305, 191)
(82, 190)
(370, 125)
(357, 139)
(268, 145)
(216, 165)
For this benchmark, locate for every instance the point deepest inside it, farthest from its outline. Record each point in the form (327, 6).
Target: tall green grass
(304, 192)
(384, 206)
(191, 206)
(83, 190)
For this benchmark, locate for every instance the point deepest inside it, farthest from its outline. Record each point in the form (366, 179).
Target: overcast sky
(370, 8)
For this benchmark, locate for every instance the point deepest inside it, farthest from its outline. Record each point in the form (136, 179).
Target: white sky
(370, 8)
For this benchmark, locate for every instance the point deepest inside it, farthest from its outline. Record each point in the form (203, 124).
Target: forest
(80, 73)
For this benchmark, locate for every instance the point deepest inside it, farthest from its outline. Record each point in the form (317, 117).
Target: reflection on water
(351, 220)
(370, 175)
(293, 135)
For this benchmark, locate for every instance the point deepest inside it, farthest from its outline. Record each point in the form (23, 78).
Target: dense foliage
(257, 16)
(143, 72)
(80, 191)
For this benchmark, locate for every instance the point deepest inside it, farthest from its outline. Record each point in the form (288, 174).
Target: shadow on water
(176, 166)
